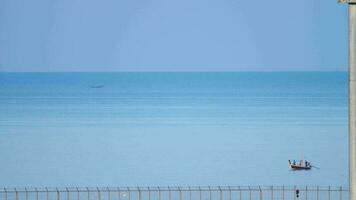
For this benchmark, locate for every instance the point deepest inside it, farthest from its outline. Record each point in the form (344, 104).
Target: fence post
(317, 192)
(26, 193)
(271, 192)
(99, 193)
(159, 193)
(199, 193)
(36, 193)
(78, 194)
(129, 193)
(67, 193)
(306, 192)
(5, 193)
(341, 193)
(180, 193)
(250, 192)
(139, 193)
(259, 187)
(209, 192)
(169, 193)
(240, 193)
(16, 194)
(190, 193)
(109, 194)
(149, 193)
(119, 193)
(221, 193)
(47, 194)
(329, 193)
(283, 192)
(58, 195)
(88, 193)
(230, 197)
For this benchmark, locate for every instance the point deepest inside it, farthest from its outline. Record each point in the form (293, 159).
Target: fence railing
(178, 193)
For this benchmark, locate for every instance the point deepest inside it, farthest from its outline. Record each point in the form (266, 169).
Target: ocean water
(119, 129)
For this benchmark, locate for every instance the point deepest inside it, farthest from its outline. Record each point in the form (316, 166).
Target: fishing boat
(302, 165)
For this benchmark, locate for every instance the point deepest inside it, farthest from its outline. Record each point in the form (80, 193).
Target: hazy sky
(172, 35)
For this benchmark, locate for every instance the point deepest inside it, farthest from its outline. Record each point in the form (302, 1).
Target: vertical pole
(230, 195)
(306, 192)
(283, 192)
(78, 194)
(272, 192)
(240, 193)
(199, 193)
(58, 195)
(149, 193)
(352, 99)
(159, 193)
(36, 193)
(190, 193)
(259, 187)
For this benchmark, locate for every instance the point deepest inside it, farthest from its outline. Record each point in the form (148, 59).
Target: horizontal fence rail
(178, 193)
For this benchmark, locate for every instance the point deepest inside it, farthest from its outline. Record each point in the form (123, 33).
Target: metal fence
(178, 193)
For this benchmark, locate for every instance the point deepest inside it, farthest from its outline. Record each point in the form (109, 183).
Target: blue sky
(173, 35)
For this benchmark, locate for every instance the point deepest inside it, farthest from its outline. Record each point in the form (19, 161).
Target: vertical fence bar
(99, 193)
(78, 194)
(5, 193)
(317, 192)
(129, 193)
(340, 193)
(47, 194)
(67, 193)
(230, 195)
(26, 193)
(88, 193)
(272, 192)
(259, 187)
(250, 192)
(169, 193)
(240, 193)
(109, 194)
(149, 193)
(209, 192)
(180, 193)
(306, 192)
(118, 193)
(199, 193)
(58, 195)
(190, 193)
(221, 193)
(283, 192)
(159, 193)
(329, 193)
(16, 194)
(36, 193)
(139, 193)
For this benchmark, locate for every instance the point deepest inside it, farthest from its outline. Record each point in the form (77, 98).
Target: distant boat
(302, 165)
(96, 86)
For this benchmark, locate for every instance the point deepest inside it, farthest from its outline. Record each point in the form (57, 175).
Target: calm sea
(89, 129)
